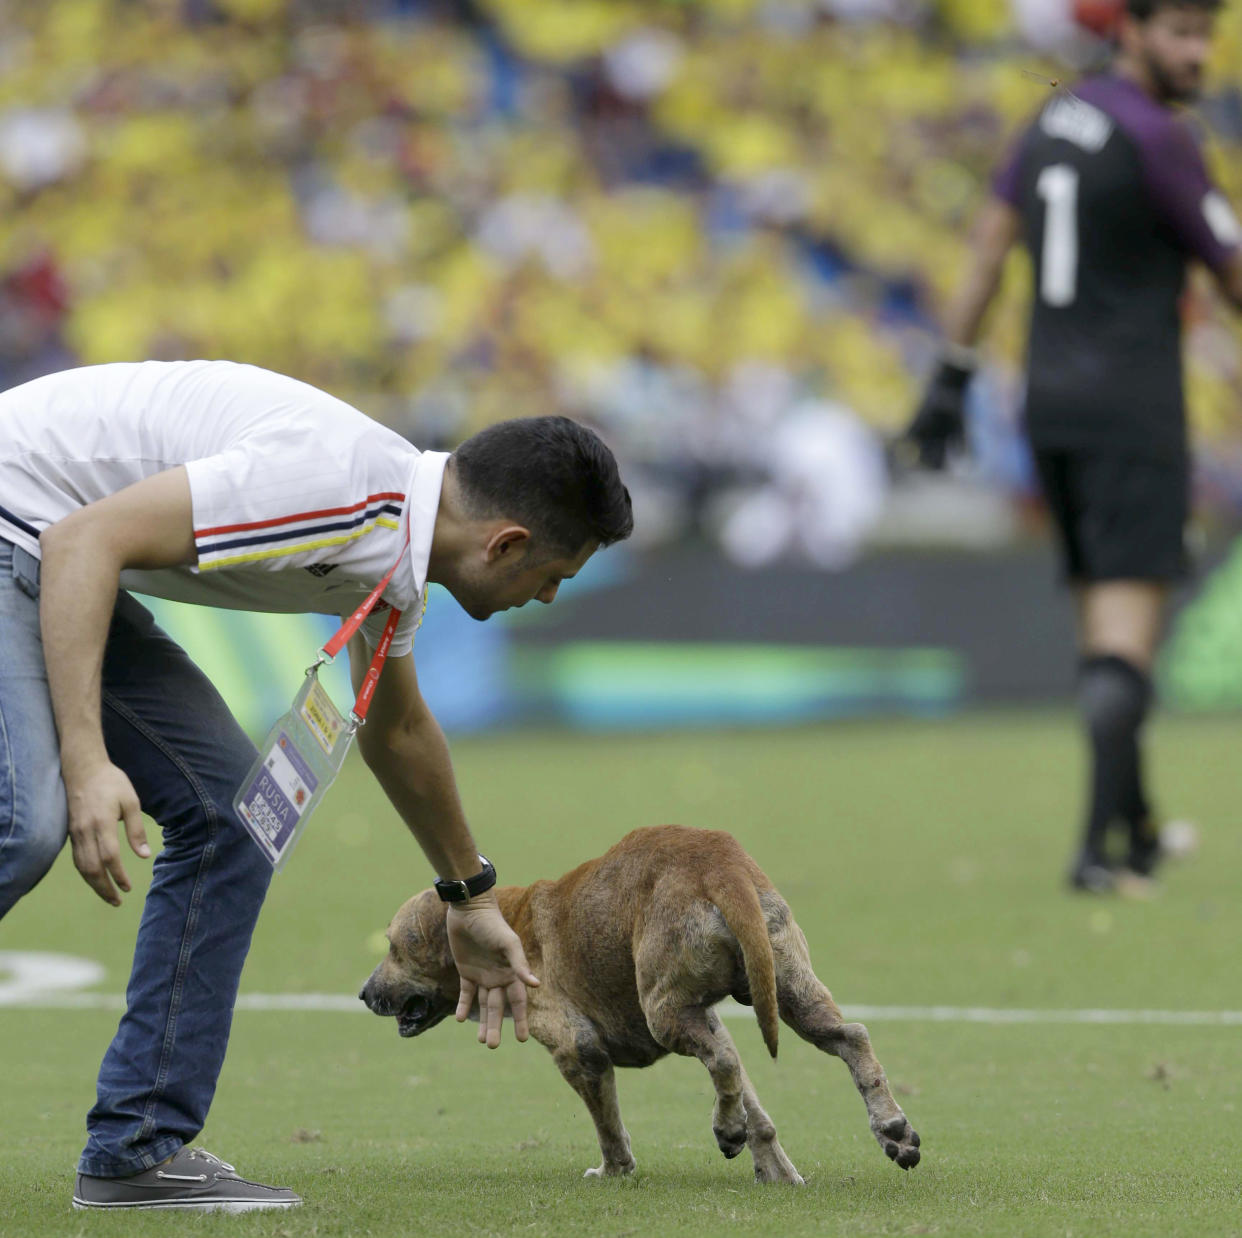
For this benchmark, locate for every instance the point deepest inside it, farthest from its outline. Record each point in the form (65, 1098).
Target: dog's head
(417, 983)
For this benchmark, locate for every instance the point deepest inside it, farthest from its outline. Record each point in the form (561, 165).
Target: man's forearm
(148, 525)
(412, 764)
(996, 231)
(963, 321)
(78, 584)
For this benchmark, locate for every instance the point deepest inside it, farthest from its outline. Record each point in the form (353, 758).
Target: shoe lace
(201, 1154)
(196, 1154)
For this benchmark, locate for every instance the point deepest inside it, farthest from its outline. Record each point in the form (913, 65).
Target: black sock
(1114, 696)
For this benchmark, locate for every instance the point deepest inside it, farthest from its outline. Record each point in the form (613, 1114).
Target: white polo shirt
(300, 502)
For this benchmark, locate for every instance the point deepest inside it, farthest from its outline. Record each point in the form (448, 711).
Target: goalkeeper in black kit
(1108, 191)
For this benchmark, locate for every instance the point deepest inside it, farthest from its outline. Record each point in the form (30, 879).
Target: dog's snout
(379, 996)
(368, 993)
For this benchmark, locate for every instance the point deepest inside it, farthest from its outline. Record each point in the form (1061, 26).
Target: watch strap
(459, 889)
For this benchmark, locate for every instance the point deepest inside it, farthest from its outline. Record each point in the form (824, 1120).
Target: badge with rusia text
(305, 749)
(298, 761)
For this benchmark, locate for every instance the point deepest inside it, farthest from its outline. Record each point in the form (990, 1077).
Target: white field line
(342, 1003)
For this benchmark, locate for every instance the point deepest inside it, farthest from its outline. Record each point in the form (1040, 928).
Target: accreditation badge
(299, 759)
(305, 750)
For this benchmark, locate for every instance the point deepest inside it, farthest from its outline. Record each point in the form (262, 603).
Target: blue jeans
(169, 730)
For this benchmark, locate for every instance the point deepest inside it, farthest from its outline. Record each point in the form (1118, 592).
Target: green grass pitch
(924, 861)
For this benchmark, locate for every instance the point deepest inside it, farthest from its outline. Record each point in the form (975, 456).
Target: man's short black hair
(554, 476)
(1145, 9)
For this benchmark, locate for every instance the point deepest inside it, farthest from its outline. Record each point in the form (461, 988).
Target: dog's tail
(738, 901)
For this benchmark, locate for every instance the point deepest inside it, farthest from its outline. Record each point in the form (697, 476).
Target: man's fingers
(103, 886)
(86, 861)
(516, 995)
(97, 802)
(495, 1016)
(493, 969)
(116, 870)
(517, 960)
(465, 999)
(109, 850)
(481, 1034)
(134, 830)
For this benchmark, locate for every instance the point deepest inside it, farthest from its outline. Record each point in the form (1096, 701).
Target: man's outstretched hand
(492, 966)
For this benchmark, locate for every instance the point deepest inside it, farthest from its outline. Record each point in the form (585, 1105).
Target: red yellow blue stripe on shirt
(296, 533)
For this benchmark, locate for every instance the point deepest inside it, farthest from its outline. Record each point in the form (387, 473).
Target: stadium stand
(715, 229)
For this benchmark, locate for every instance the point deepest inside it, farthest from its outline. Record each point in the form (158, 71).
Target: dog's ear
(431, 916)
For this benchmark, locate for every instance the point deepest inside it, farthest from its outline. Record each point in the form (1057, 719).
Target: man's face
(512, 577)
(1174, 44)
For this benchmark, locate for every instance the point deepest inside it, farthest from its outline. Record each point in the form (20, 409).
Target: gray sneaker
(191, 1179)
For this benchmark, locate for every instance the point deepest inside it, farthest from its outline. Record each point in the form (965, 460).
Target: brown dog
(634, 949)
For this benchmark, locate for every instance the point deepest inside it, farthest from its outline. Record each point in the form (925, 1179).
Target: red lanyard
(353, 623)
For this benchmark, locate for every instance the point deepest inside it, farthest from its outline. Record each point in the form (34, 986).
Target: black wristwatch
(458, 890)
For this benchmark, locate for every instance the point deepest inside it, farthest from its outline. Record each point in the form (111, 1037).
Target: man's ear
(508, 541)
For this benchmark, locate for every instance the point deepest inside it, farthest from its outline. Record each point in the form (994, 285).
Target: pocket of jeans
(26, 569)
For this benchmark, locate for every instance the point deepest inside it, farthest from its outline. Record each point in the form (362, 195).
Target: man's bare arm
(146, 525)
(939, 424)
(404, 747)
(996, 230)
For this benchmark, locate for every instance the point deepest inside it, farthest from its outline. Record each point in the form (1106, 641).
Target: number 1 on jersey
(1058, 186)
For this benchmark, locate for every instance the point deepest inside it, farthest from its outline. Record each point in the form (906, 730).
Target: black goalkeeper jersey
(1114, 199)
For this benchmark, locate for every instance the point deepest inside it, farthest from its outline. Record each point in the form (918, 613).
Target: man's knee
(1122, 618)
(1114, 694)
(27, 853)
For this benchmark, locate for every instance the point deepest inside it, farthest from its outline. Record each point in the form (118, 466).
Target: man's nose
(547, 594)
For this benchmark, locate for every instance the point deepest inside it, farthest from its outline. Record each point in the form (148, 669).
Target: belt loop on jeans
(26, 571)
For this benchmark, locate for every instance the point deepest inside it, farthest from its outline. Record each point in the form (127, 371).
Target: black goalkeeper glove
(940, 422)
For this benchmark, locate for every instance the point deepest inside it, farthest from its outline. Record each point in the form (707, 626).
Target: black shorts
(1118, 517)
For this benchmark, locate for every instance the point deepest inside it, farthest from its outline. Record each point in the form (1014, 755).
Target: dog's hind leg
(738, 1120)
(693, 1031)
(771, 1163)
(807, 1006)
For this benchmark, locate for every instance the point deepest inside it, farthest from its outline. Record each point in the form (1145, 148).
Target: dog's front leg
(581, 1057)
(594, 1080)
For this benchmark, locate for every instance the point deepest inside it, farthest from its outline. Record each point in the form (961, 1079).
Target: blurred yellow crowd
(497, 203)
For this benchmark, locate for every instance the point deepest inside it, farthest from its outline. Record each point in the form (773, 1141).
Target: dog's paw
(900, 1141)
(730, 1142)
(611, 1169)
